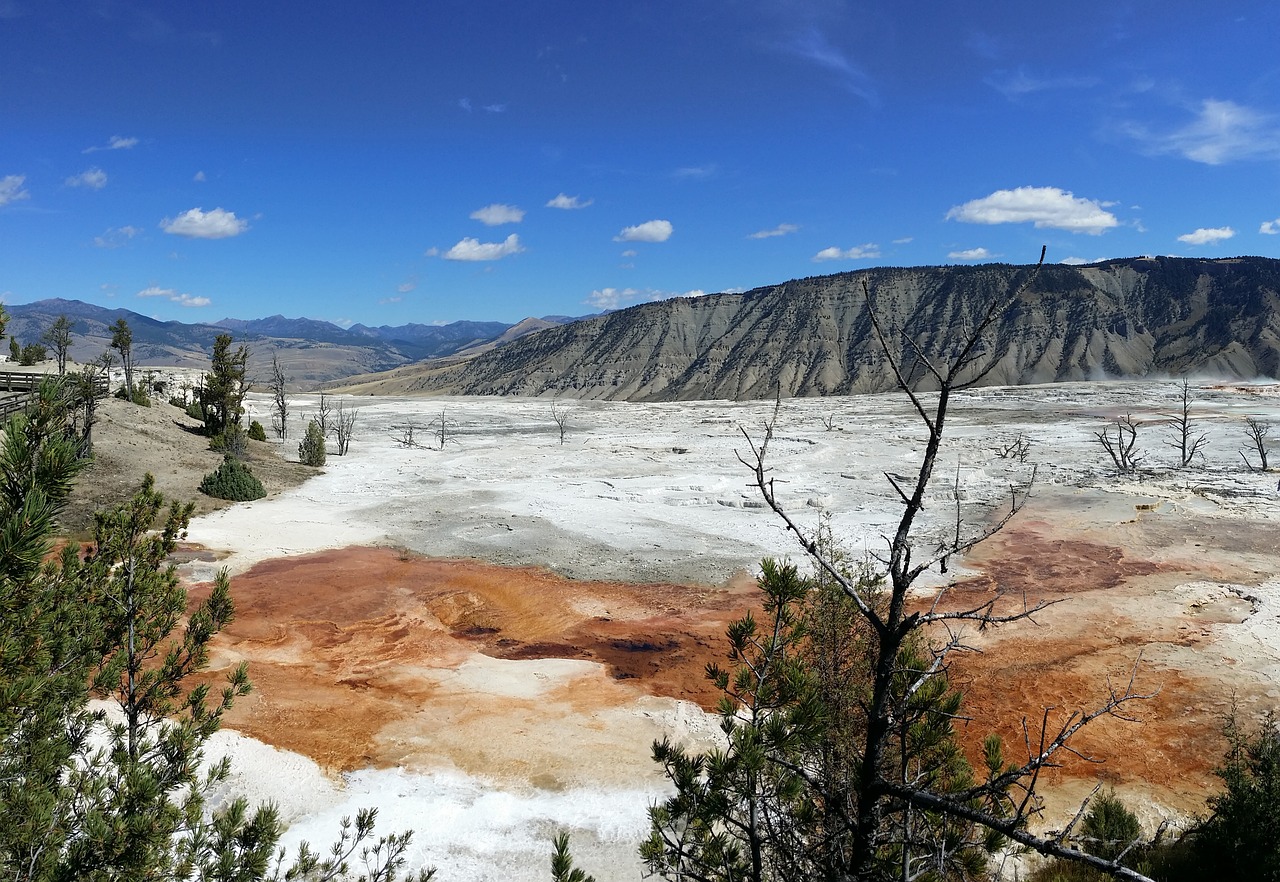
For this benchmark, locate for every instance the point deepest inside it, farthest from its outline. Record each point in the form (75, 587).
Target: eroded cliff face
(1130, 318)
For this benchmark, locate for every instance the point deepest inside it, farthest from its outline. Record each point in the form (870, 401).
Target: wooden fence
(19, 388)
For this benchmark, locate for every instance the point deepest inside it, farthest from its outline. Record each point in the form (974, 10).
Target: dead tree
(1257, 432)
(1008, 799)
(344, 427)
(278, 384)
(323, 411)
(1019, 448)
(829, 423)
(444, 427)
(1120, 447)
(560, 416)
(1184, 439)
(406, 438)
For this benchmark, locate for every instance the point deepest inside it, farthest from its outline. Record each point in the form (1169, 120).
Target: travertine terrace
(483, 639)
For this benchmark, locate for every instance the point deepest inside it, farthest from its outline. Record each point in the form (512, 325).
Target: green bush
(178, 401)
(232, 441)
(233, 481)
(311, 450)
(195, 410)
(256, 432)
(140, 396)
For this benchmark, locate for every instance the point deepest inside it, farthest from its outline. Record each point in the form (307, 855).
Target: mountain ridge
(812, 336)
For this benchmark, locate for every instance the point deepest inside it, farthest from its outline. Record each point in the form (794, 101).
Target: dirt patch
(129, 441)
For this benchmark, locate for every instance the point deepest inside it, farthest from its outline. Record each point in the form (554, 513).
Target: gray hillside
(1129, 317)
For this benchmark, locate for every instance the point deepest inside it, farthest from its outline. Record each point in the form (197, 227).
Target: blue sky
(432, 161)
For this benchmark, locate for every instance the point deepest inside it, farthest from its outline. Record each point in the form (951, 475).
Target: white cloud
(614, 298)
(175, 296)
(858, 252)
(568, 202)
(779, 230)
(1081, 261)
(474, 249)
(1042, 206)
(94, 178)
(630, 252)
(116, 236)
(198, 224)
(1207, 236)
(386, 300)
(11, 189)
(497, 214)
(406, 287)
(905, 240)
(1222, 131)
(496, 108)
(1271, 227)
(649, 231)
(199, 176)
(115, 142)
(970, 254)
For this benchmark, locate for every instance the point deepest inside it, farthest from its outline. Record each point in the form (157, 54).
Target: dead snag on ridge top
(884, 798)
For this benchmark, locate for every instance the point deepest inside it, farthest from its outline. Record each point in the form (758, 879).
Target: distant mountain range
(1119, 318)
(1130, 317)
(310, 351)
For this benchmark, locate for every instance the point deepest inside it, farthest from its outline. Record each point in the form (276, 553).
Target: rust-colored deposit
(1134, 599)
(364, 656)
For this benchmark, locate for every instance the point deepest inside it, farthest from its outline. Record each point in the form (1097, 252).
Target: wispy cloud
(696, 172)
(971, 254)
(905, 240)
(465, 104)
(475, 250)
(115, 237)
(649, 231)
(174, 296)
(1270, 228)
(568, 203)
(198, 224)
(1220, 132)
(93, 178)
(497, 214)
(115, 142)
(1207, 236)
(199, 177)
(1081, 261)
(1014, 84)
(1043, 206)
(406, 287)
(11, 189)
(779, 230)
(813, 46)
(868, 251)
(615, 298)
(389, 300)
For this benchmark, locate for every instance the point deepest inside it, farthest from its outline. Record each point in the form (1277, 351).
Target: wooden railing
(21, 388)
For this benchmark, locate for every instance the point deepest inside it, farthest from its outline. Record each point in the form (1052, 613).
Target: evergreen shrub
(233, 480)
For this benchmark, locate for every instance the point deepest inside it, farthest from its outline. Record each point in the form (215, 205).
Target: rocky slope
(1132, 317)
